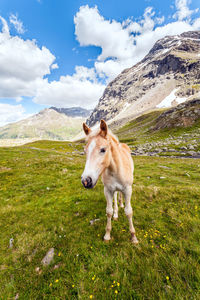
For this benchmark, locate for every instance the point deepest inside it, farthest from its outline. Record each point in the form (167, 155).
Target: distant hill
(73, 111)
(51, 124)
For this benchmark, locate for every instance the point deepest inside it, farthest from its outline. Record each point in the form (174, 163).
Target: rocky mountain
(167, 76)
(50, 123)
(183, 115)
(73, 111)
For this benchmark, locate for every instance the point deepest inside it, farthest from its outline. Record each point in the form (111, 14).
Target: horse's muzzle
(87, 182)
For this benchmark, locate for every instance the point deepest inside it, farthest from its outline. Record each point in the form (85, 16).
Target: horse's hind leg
(121, 204)
(115, 216)
(109, 212)
(129, 213)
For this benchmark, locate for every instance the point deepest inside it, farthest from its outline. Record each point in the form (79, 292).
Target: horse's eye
(102, 150)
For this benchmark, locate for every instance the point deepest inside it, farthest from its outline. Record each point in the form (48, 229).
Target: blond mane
(96, 132)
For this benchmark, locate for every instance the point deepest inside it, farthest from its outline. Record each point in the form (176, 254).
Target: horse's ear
(104, 128)
(86, 129)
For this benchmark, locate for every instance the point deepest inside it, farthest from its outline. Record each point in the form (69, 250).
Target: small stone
(162, 177)
(11, 241)
(165, 167)
(38, 270)
(191, 153)
(56, 267)
(48, 257)
(93, 221)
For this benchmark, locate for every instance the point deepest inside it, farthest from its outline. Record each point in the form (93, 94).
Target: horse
(110, 159)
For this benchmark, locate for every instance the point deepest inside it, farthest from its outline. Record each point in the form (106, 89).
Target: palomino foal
(112, 160)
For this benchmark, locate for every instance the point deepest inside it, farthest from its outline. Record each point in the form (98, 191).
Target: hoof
(134, 240)
(106, 241)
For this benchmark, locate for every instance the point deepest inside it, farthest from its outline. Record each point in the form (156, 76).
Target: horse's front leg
(121, 204)
(115, 215)
(109, 212)
(129, 213)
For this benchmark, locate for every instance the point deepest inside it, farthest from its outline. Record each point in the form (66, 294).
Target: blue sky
(63, 53)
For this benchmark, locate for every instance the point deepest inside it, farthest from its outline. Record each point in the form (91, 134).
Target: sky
(63, 53)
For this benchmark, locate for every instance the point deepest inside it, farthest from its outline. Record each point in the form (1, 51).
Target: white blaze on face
(90, 170)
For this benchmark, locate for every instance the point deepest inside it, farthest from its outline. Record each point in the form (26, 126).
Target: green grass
(43, 205)
(140, 130)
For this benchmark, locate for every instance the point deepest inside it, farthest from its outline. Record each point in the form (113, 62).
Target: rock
(191, 147)
(48, 257)
(162, 177)
(11, 241)
(165, 167)
(93, 221)
(192, 153)
(57, 266)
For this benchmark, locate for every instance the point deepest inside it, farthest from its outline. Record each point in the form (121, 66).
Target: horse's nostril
(87, 182)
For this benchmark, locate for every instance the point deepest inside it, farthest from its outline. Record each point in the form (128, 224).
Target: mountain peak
(73, 111)
(170, 68)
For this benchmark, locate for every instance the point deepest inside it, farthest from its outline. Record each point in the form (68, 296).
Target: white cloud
(80, 89)
(11, 113)
(183, 12)
(124, 44)
(22, 65)
(17, 23)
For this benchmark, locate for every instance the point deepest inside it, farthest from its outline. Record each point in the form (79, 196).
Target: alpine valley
(167, 77)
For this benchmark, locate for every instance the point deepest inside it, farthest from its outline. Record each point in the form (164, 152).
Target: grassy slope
(138, 131)
(43, 205)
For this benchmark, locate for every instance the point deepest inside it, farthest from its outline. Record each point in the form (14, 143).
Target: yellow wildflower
(56, 280)
(118, 284)
(50, 284)
(167, 277)
(116, 291)
(73, 285)
(91, 296)
(59, 254)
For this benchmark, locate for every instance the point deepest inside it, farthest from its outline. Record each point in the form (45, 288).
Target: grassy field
(43, 205)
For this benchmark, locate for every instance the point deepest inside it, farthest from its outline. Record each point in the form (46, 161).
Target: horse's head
(97, 154)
